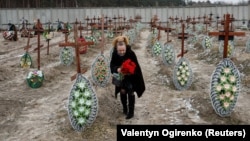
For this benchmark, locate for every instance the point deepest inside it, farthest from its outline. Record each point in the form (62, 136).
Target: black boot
(124, 103)
(131, 106)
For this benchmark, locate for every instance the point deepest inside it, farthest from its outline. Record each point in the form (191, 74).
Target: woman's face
(121, 49)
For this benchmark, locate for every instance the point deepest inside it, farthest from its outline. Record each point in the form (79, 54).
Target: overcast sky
(229, 1)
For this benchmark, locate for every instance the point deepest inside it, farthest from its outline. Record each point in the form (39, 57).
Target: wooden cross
(206, 21)
(193, 23)
(172, 19)
(38, 30)
(226, 34)
(115, 18)
(166, 29)
(131, 22)
(217, 23)
(210, 18)
(188, 20)
(65, 31)
(182, 36)
(87, 24)
(76, 45)
(49, 30)
(28, 44)
(159, 31)
(199, 19)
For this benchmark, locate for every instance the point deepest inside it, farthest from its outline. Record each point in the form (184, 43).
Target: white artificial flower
(234, 88)
(183, 71)
(187, 73)
(232, 78)
(182, 83)
(185, 79)
(76, 113)
(81, 85)
(232, 97)
(86, 93)
(223, 78)
(183, 76)
(39, 73)
(184, 63)
(179, 78)
(87, 112)
(227, 86)
(76, 94)
(227, 70)
(222, 97)
(29, 75)
(81, 109)
(218, 88)
(178, 73)
(227, 94)
(73, 104)
(88, 102)
(226, 104)
(81, 101)
(81, 120)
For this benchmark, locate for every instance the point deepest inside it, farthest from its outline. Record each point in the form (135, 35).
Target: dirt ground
(41, 114)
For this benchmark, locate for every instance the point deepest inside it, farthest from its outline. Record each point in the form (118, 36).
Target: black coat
(136, 79)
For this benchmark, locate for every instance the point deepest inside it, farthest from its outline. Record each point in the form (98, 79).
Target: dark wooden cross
(217, 23)
(110, 24)
(193, 22)
(188, 20)
(48, 30)
(38, 29)
(131, 21)
(166, 29)
(199, 19)
(176, 20)
(182, 36)
(114, 19)
(171, 19)
(124, 22)
(159, 31)
(210, 18)
(87, 23)
(226, 34)
(206, 21)
(28, 43)
(76, 45)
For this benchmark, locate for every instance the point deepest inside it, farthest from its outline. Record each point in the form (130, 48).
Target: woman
(130, 83)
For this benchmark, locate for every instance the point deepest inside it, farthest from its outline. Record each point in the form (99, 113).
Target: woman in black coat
(131, 83)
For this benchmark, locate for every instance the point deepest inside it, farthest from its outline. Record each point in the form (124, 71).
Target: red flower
(128, 67)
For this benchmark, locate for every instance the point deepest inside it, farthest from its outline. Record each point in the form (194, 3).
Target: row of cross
(75, 44)
(223, 35)
(226, 35)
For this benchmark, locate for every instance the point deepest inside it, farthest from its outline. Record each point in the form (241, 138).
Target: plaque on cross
(226, 34)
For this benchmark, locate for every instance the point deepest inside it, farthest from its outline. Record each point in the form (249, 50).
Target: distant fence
(70, 14)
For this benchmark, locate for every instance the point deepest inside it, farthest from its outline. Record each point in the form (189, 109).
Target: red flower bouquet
(128, 67)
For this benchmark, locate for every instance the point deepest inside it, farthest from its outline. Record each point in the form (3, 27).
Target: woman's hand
(119, 70)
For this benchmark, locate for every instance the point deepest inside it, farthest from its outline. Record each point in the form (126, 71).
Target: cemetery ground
(41, 114)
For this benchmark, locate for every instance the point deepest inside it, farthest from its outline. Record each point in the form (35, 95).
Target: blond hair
(120, 39)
